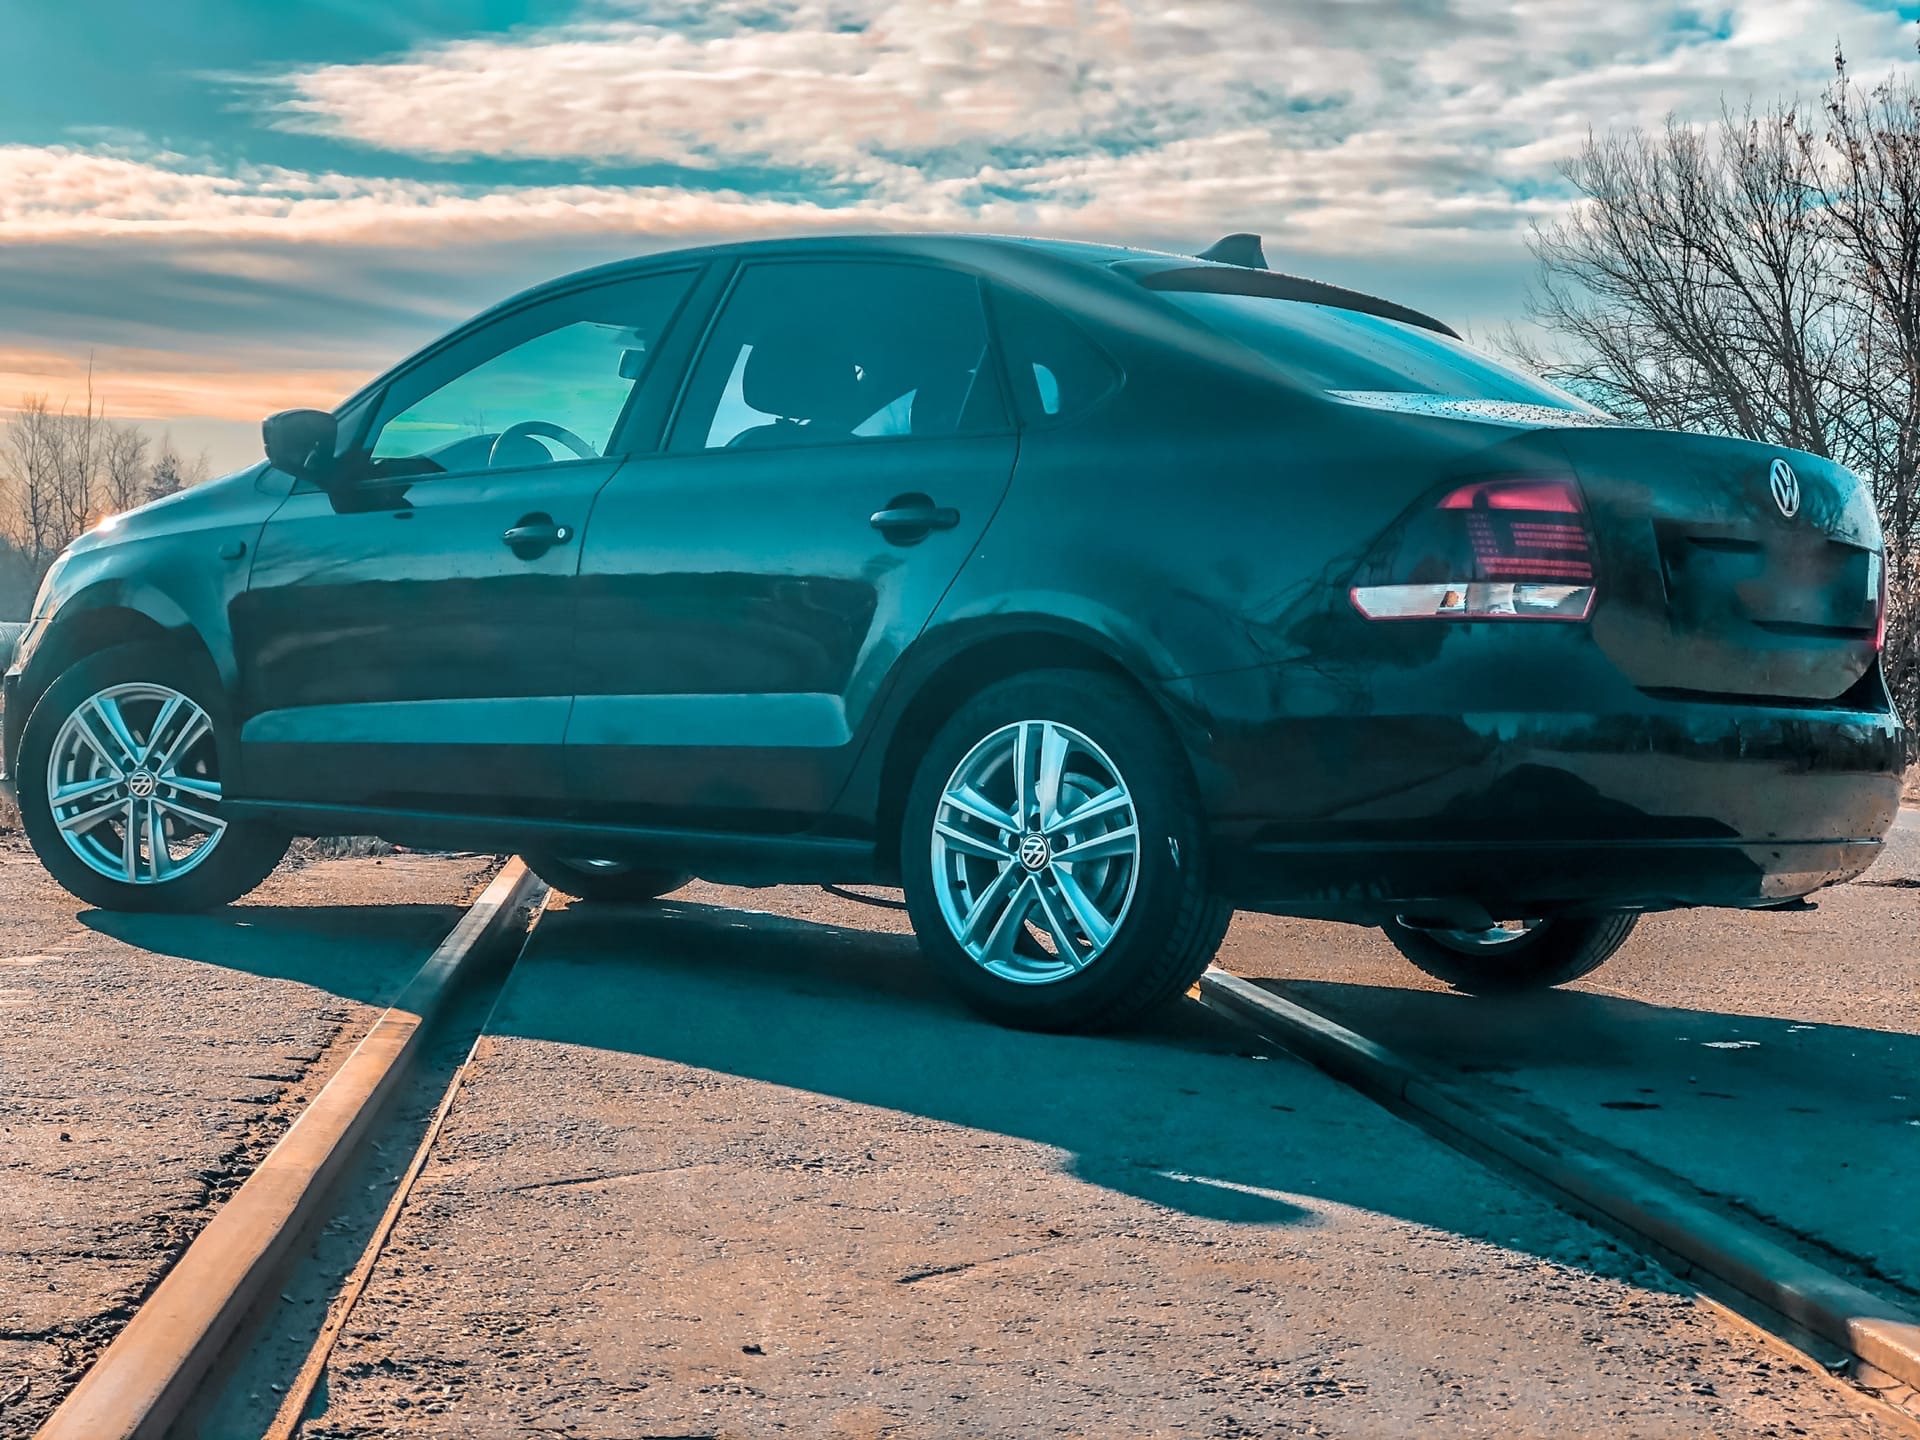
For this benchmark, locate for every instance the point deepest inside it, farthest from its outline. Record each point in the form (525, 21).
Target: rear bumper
(1668, 804)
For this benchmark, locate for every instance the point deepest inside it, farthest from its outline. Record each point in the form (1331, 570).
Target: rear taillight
(1512, 549)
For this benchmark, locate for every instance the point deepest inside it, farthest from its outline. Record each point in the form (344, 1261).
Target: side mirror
(300, 442)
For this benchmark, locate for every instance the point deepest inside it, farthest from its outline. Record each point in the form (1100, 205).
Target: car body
(726, 656)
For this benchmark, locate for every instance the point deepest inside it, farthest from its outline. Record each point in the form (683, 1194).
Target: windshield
(1355, 356)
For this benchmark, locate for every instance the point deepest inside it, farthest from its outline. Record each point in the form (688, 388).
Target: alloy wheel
(133, 782)
(1497, 936)
(1036, 852)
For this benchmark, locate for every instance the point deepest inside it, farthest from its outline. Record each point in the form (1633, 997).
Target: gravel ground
(731, 1174)
(147, 1062)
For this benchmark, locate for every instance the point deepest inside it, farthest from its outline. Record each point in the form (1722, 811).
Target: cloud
(166, 385)
(931, 108)
(1398, 145)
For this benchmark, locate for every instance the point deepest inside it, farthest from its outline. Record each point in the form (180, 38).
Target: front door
(406, 637)
(840, 449)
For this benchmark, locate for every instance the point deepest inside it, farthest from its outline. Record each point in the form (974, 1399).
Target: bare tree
(124, 468)
(79, 446)
(1694, 282)
(1759, 277)
(30, 452)
(1870, 202)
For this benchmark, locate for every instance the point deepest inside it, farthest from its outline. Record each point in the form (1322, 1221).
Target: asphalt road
(147, 1062)
(719, 1172)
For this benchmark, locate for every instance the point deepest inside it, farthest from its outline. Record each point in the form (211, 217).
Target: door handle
(535, 535)
(911, 518)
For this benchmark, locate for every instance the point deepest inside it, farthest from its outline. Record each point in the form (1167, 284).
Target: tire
(608, 881)
(1165, 923)
(1555, 952)
(137, 684)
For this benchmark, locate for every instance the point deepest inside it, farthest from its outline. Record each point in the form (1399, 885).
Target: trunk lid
(1729, 568)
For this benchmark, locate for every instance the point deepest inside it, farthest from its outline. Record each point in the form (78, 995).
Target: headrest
(796, 375)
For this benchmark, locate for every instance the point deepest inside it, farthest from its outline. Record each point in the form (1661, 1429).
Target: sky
(230, 207)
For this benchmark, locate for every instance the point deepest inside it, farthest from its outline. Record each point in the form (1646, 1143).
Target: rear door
(840, 448)
(406, 637)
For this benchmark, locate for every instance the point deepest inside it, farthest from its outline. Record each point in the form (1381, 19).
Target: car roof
(1151, 269)
(1139, 268)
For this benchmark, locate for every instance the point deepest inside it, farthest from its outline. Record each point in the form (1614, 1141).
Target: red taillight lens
(1513, 549)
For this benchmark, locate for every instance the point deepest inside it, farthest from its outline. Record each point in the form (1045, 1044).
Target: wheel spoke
(159, 859)
(1000, 890)
(1053, 761)
(999, 941)
(1097, 927)
(80, 789)
(1056, 926)
(106, 711)
(1124, 841)
(130, 844)
(1023, 785)
(969, 801)
(87, 819)
(213, 825)
(189, 736)
(154, 736)
(969, 843)
(194, 785)
(1114, 797)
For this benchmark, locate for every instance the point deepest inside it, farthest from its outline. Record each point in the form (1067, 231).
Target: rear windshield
(1356, 356)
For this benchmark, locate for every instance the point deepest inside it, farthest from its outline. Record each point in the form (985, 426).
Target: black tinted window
(1355, 355)
(1054, 369)
(832, 352)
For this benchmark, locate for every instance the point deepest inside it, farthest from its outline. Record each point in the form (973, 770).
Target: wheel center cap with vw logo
(140, 784)
(1786, 488)
(1034, 853)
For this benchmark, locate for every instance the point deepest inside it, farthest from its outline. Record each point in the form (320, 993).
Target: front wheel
(1054, 856)
(121, 792)
(1517, 955)
(610, 881)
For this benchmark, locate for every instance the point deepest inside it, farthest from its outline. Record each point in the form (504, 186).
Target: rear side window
(838, 352)
(1353, 355)
(1055, 371)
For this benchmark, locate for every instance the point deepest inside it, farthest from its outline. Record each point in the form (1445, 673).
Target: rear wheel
(1514, 955)
(120, 788)
(1054, 856)
(610, 881)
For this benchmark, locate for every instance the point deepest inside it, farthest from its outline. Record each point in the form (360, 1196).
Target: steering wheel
(539, 429)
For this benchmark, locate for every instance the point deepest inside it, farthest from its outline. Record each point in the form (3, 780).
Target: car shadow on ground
(1192, 1113)
(359, 952)
(1813, 1127)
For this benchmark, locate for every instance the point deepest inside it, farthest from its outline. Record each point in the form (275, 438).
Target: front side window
(542, 386)
(835, 352)
(1353, 355)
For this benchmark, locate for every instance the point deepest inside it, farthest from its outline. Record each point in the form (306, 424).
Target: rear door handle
(535, 535)
(909, 518)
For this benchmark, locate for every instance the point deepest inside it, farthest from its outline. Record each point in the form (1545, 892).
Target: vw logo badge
(140, 784)
(1034, 853)
(1786, 488)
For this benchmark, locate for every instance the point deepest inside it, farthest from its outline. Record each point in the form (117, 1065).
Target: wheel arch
(944, 673)
(100, 620)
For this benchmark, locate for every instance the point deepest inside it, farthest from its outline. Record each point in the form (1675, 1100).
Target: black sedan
(1086, 593)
